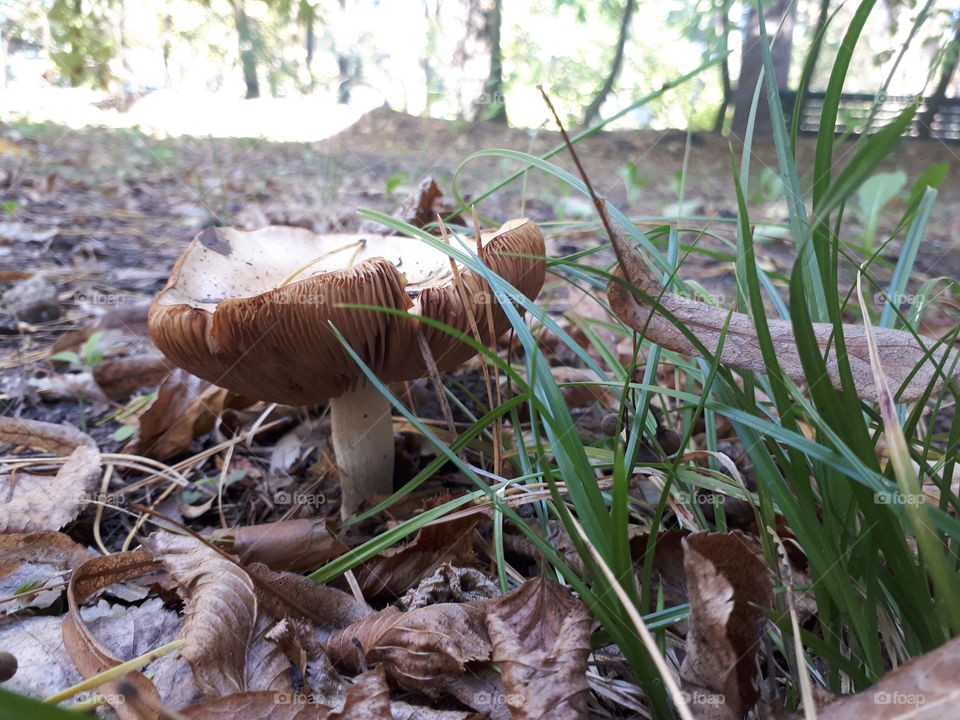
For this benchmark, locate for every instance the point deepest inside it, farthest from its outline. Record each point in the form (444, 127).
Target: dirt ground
(103, 214)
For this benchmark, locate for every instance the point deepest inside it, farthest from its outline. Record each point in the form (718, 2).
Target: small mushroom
(251, 311)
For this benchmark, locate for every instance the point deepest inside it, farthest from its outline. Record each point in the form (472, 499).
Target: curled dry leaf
(31, 503)
(118, 377)
(299, 597)
(901, 355)
(367, 698)
(394, 571)
(36, 558)
(728, 586)
(185, 408)
(295, 545)
(422, 650)
(87, 653)
(925, 688)
(221, 611)
(540, 635)
(450, 584)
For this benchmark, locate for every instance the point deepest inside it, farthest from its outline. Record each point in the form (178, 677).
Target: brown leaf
(540, 635)
(901, 355)
(185, 408)
(728, 586)
(47, 548)
(421, 650)
(90, 657)
(367, 698)
(925, 688)
(40, 559)
(394, 571)
(120, 376)
(295, 545)
(297, 596)
(581, 395)
(450, 584)
(221, 611)
(39, 502)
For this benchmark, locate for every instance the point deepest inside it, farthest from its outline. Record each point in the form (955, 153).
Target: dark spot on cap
(212, 239)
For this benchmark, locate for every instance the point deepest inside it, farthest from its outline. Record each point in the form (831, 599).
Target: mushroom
(251, 311)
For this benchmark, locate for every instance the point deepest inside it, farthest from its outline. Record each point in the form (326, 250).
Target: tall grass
(884, 577)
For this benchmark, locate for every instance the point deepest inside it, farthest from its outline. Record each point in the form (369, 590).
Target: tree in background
(247, 46)
(752, 63)
(491, 105)
(593, 109)
(82, 41)
(950, 58)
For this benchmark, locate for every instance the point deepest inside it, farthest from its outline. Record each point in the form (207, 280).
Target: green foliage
(90, 353)
(873, 196)
(82, 40)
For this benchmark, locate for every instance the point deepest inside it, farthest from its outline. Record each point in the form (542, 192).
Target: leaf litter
(423, 628)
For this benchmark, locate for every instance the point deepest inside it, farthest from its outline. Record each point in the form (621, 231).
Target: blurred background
(305, 69)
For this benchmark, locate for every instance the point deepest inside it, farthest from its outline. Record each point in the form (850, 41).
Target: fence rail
(864, 113)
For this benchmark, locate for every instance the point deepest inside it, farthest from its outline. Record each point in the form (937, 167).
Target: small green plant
(10, 207)
(872, 197)
(91, 353)
(633, 181)
(394, 181)
(135, 405)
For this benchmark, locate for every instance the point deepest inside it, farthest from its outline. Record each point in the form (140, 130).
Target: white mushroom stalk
(362, 436)
(252, 312)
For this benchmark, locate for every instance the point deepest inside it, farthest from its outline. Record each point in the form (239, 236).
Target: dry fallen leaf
(367, 698)
(295, 545)
(422, 650)
(36, 559)
(728, 586)
(185, 408)
(901, 355)
(540, 635)
(30, 502)
(925, 688)
(88, 654)
(221, 611)
(394, 571)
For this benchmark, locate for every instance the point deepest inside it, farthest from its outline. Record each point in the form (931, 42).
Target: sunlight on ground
(166, 113)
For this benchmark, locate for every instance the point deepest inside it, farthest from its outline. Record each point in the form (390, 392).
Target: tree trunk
(950, 62)
(723, 31)
(248, 57)
(491, 105)
(593, 109)
(752, 63)
(811, 61)
(311, 45)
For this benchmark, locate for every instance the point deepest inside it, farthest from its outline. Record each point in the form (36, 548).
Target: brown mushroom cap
(226, 316)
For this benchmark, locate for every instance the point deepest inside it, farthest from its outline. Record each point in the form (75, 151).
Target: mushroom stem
(363, 442)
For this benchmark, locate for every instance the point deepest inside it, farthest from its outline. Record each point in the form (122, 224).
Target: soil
(103, 214)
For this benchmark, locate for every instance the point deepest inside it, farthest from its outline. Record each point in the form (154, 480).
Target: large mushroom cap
(242, 311)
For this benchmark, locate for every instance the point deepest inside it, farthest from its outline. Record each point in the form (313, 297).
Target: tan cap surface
(232, 314)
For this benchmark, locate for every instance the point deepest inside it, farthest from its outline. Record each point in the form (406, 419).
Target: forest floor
(97, 218)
